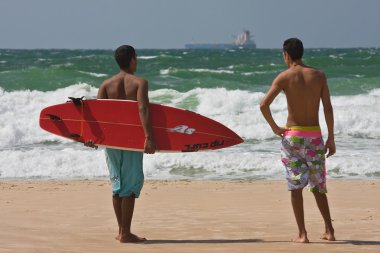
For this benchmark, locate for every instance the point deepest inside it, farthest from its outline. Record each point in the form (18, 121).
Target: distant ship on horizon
(242, 41)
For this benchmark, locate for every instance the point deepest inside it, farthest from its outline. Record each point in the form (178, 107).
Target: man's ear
(286, 57)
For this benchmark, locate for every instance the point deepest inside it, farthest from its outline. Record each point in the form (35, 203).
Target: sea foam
(27, 151)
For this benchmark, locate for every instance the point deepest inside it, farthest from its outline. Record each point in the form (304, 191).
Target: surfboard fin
(74, 135)
(54, 117)
(76, 101)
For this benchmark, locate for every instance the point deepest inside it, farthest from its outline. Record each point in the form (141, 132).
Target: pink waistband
(303, 133)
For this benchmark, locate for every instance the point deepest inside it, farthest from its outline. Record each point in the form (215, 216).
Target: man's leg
(323, 206)
(127, 208)
(297, 203)
(116, 201)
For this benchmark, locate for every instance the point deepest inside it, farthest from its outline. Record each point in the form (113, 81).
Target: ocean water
(225, 85)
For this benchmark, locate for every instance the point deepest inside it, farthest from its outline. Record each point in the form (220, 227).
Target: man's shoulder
(140, 81)
(305, 71)
(284, 75)
(111, 80)
(106, 82)
(314, 71)
(136, 79)
(316, 75)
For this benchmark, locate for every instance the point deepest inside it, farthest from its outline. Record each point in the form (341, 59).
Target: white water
(26, 151)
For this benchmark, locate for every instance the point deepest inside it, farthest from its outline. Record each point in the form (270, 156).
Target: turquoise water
(225, 85)
(350, 71)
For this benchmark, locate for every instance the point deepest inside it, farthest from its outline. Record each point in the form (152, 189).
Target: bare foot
(131, 238)
(301, 239)
(118, 237)
(328, 236)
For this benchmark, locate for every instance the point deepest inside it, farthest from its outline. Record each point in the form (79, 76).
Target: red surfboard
(116, 124)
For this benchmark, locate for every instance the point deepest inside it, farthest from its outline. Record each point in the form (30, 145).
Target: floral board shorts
(302, 153)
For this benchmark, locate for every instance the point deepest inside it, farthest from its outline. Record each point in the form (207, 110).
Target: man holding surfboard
(302, 147)
(126, 167)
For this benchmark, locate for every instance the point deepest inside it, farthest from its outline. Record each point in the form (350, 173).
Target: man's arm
(265, 103)
(143, 102)
(329, 117)
(102, 92)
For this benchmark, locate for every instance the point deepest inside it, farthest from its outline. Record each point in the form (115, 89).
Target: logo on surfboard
(183, 129)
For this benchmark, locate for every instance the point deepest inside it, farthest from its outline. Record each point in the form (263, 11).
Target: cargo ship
(242, 41)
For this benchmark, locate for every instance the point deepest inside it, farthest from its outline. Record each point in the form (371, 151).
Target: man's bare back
(303, 87)
(121, 86)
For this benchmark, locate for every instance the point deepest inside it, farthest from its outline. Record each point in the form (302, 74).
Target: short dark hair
(294, 48)
(123, 55)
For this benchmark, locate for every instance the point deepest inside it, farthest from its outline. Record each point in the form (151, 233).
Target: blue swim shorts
(126, 171)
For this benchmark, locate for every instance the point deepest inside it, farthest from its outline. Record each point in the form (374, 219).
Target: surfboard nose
(237, 139)
(240, 140)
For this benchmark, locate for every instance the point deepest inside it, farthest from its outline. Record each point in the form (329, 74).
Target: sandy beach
(185, 216)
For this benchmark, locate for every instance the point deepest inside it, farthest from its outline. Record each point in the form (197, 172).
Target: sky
(164, 24)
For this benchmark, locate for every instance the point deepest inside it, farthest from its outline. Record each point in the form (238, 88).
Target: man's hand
(90, 144)
(330, 147)
(280, 131)
(149, 146)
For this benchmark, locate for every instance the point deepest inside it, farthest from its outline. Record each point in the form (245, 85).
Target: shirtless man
(126, 167)
(302, 147)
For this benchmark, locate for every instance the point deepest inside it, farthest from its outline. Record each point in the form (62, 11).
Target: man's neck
(127, 71)
(295, 63)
